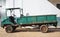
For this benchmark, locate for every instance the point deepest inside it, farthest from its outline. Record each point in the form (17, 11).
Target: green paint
(32, 19)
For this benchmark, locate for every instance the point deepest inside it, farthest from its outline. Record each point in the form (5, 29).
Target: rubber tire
(9, 29)
(44, 28)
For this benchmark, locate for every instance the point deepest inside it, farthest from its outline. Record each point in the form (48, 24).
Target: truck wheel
(8, 29)
(44, 28)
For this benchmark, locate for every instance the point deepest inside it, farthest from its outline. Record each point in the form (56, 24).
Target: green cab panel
(5, 21)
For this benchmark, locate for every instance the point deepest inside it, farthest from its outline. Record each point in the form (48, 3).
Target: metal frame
(11, 9)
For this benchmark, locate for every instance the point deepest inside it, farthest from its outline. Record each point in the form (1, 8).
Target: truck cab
(11, 16)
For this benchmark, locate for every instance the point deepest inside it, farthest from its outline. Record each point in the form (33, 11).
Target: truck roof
(12, 8)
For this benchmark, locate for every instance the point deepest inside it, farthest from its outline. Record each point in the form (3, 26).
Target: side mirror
(27, 14)
(22, 15)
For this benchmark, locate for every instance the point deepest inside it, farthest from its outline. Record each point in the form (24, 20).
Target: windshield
(13, 12)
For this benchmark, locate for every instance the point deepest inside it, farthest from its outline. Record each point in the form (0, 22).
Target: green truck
(10, 23)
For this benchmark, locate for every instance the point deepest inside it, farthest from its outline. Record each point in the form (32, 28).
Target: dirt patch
(30, 33)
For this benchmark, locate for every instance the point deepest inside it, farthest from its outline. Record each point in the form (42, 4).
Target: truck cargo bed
(37, 19)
